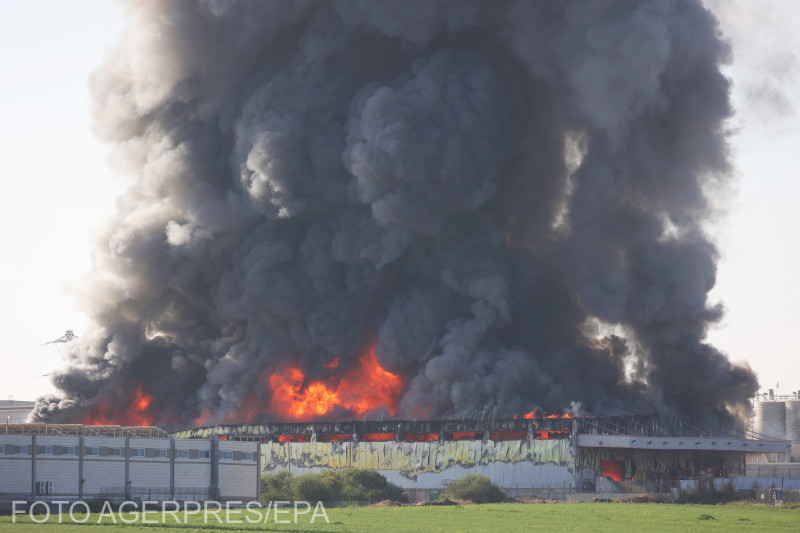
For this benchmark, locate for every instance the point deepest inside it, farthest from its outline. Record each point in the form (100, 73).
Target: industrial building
(15, 411)
(76, 462)
(778, 417)
(540, 457)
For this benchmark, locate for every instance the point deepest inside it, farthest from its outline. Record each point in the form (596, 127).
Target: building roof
(720, 444)
(79, 430)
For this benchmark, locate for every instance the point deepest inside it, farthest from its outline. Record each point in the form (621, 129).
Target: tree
(476, 488)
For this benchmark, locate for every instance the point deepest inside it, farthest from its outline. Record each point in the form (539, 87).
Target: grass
(573, 517)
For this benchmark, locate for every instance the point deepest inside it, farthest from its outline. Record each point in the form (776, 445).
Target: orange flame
(565, 415)
(535, 414)
(377, 437)
(420, 437)
(363, 388)
(136, 415)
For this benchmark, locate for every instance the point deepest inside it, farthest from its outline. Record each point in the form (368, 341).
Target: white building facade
(74, 462)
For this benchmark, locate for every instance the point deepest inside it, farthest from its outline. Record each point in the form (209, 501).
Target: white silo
(793, 426)
(770, 420)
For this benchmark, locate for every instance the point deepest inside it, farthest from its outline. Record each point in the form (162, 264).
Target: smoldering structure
(551, 457)
(371, 209)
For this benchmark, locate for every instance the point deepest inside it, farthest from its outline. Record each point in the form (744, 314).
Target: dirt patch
(440, 502)
(389, 503)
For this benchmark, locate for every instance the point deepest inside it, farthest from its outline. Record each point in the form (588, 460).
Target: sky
(56, 189)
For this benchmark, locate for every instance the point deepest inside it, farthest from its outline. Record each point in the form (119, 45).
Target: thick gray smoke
(505, 198)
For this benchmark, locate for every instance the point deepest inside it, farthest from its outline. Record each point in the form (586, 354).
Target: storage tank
(793, 426)
(770, 419)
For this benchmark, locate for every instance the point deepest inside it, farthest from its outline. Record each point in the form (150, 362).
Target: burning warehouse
(538, 457)
(388, 211)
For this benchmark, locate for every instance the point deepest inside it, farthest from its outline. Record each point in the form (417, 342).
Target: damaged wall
(531, 462)
(649, 464)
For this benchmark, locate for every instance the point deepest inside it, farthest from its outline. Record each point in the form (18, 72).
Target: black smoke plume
(506, 198)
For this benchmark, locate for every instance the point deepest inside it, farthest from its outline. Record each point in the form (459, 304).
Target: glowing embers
(464, 435)
(335, 437)
(137, 413)
(535, 414)
(420, 437)
(293, 438)
(612, 469)
(551, 434)
(360, 389)
(377, 437)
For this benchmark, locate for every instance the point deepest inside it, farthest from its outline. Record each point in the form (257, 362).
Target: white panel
(61, 470)
(195, 473)
(15, 440)
(16, 474)
(238, 481)
(102, 473)
(149, 473)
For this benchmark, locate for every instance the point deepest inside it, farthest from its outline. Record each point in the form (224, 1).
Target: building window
(47, 450)
(205, 454)
(115, 452)
(226, 455)
(23, 449)
(249, 456)
(2, 449)
(161, 453)
(68, 450)
(137, 452)
(93, 450)
(183, 454)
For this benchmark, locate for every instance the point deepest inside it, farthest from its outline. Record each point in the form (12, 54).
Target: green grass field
(499, 518)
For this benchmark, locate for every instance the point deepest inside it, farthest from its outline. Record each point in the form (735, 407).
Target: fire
(535, 414)
(364, 388)
(565, 415)
(315, 399)
(136, 415)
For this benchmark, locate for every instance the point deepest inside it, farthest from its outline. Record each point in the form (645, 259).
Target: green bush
(276, 487)
(476, 488)
(347, 484)
(360, 484)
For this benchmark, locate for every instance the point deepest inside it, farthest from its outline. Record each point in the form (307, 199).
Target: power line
(24, 379)
(21, 349)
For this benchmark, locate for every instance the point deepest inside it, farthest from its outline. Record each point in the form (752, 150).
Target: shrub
(368, 485)
(276, 487)
(347, 484)
(476, 488)
(312, 488)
